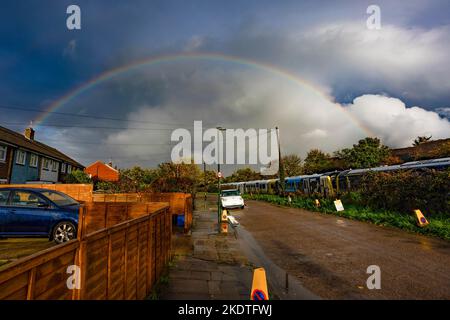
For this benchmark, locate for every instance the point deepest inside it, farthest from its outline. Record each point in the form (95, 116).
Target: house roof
(98, 162)
(11, 137)
(423, 150)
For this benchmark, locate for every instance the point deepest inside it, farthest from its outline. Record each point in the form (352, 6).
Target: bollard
(259, 285)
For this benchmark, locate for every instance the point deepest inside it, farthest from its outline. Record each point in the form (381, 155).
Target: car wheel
(64, 231)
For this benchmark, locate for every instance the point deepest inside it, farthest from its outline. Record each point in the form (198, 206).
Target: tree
(369, 152)
(77, 176)
(292, 165)
(421, 139)
(244, 174)
(208, 181)
(136, 179)
(178, 177)
(317, 161)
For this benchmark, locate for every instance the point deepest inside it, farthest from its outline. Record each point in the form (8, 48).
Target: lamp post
(219, 129)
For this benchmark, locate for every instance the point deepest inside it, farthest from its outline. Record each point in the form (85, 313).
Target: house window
(3, 153)
(46, 164)
(33, 160)
(63, 168)
(54, 166)
(20, 157)
(69, 169)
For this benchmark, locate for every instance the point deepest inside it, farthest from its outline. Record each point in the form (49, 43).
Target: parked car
(28, 212)
(231, 199)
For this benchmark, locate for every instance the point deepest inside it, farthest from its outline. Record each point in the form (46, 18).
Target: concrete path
(208, 265)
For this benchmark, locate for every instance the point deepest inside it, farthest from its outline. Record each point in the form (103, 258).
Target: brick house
(100, 171)
(25, 160)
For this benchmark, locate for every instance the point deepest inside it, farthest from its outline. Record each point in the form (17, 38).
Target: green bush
(404, 191)
(77, 176)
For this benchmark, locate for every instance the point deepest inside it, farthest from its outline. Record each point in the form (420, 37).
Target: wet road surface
(329, 255)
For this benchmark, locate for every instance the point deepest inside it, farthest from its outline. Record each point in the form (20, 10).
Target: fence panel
(121, 261)
(80, 192)
(179, 203)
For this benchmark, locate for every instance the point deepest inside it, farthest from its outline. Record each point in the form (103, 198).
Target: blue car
(28, 212)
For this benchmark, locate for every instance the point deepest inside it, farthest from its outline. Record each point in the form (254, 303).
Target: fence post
(31, 282)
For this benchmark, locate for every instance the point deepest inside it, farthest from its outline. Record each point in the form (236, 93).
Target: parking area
(12, 249)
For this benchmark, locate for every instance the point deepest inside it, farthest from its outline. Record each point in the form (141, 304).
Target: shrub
(404, 191)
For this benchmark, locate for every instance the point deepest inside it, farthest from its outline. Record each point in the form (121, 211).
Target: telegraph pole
(280, 163)
(204, 178)
(219, 206)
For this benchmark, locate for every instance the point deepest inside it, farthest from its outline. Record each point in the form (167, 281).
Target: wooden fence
(80, 192)
(120, 261)
(179, 203)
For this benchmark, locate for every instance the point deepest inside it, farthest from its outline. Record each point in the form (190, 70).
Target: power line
(112, 144)
(86, 116)
(88, 127)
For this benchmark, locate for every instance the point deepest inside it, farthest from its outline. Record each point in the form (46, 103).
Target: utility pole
(219, 206)
(204, 178)
(280, 163)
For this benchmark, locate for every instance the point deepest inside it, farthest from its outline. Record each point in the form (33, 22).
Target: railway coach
(331, 184)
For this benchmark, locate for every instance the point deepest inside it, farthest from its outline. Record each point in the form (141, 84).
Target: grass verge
(439, 224)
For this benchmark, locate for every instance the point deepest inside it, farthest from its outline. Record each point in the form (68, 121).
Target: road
(329, 255)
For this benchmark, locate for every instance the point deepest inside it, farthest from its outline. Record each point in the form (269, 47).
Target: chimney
(29, 133)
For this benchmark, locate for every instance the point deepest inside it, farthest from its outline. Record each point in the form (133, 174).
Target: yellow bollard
(317, 203)
(421, 220)
(224, 217)
(259, 285)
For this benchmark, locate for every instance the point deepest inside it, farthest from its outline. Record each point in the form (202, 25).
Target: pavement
(207, 265)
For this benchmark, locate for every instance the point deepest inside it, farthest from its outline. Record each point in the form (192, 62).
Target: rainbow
(167, 58)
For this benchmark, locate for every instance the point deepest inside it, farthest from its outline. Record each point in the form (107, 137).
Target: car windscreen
(230, 193)
(59, 199)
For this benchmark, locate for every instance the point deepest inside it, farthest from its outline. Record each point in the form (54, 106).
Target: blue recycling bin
(180, 220)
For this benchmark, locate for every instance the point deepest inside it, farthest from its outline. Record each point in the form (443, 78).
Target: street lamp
(219, 213)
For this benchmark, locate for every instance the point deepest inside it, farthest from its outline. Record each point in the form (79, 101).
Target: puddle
(276, 276)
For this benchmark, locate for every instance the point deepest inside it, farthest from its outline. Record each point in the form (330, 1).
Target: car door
(28, 214)
(4, 196)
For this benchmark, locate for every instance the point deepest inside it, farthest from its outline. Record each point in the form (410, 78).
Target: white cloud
(397, 125)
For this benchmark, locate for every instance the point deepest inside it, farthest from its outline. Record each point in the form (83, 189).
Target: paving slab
(207, 264)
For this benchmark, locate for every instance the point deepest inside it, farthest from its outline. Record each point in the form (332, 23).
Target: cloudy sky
(312, 68)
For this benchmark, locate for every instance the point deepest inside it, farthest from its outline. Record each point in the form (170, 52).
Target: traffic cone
(259, 285)
(421, 220)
